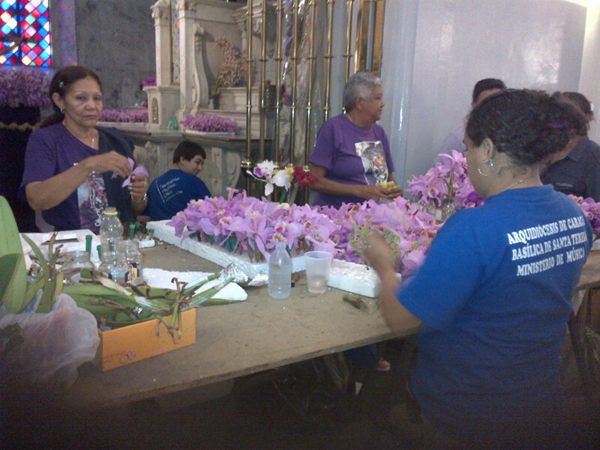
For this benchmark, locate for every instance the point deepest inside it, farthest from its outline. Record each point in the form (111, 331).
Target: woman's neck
(87, 135)
(358, 120)
(519, 179)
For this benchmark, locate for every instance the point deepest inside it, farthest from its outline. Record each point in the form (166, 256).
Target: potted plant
(209, 124)
(232, 73)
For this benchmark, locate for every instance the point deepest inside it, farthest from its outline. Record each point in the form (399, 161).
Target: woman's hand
(138, 188)
(395, 192)
(378, 192)
(379, 254)
(108, 162)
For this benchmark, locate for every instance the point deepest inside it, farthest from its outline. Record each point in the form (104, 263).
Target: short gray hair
(359, 85)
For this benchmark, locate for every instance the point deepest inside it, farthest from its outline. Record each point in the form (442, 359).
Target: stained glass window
(25, 38)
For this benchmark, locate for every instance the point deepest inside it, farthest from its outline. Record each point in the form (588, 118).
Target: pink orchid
(138, 171)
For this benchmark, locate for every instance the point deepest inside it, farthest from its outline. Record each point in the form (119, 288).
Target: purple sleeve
(40, 159)
(323, 151)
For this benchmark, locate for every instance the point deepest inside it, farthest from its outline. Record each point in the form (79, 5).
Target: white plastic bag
(54, 345)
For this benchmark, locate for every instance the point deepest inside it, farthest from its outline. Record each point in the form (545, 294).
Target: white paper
(162, 279)
(40, 238)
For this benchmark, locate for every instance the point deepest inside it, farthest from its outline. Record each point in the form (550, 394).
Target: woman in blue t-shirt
(494, 293)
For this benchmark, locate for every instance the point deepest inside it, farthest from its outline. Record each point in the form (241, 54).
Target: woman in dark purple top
(74, 169)
(352, 158)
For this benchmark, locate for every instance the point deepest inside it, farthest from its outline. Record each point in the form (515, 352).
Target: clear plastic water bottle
(111, 233)
(280, 273)
(129, 261)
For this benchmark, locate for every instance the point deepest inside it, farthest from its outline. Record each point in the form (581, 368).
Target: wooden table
(234, 340)
(242, 339)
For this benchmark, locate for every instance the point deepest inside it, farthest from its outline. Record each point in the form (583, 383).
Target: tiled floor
(297, 412)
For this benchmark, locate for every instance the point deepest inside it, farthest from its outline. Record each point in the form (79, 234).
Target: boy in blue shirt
(173, 190)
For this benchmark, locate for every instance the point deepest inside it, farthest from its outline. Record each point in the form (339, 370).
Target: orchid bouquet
(591, 209)
(24, 86)
(447, 183)
(136, 170)
(249, 226)
(267, 172)
(127, 116)
(209, 123)
(404, 225)
(446, 186)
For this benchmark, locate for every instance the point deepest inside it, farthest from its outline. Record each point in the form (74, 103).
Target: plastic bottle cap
(110, 211)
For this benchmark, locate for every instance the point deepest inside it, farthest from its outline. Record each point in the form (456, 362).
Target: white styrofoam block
(214, 254)
(347, 276)
(356, 278)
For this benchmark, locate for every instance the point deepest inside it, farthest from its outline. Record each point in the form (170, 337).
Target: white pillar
(590, 65)
(186, 12)
(161, 13)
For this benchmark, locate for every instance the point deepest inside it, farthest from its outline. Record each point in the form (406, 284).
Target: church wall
(115, 38)
(436, 50)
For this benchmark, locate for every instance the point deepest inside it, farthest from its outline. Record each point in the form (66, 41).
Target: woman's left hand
(138, 188)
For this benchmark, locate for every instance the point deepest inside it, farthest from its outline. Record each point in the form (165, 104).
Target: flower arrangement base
(125, 125)
(190, 132)
(356, 278)
(344, 275)
(127, 345)
(166, 233)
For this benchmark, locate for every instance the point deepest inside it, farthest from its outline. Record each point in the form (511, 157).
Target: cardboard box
(134, 343)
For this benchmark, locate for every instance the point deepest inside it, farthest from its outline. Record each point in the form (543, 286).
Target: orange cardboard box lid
(134, 343)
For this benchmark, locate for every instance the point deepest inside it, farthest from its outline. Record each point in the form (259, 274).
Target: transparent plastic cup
(318, 265)
(72, 263)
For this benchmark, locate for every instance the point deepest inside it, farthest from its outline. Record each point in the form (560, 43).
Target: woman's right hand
(377, 192)
(108, 162)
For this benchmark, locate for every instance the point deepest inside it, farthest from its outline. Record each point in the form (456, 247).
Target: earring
(490, 164)
(62, 110)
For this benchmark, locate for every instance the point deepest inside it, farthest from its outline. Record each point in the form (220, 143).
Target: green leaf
(13, 282)
(14, 292)
(38, 253)
(8, 263)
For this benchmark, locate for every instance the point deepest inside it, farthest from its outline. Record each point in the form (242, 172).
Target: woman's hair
(528, 126)
(187, 150)
(60, 84)
(359, 85)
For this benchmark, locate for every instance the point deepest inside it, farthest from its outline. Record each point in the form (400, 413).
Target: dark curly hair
(528, 126)
(60, 83)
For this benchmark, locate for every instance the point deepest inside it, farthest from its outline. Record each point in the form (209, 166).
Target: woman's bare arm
(43, 195)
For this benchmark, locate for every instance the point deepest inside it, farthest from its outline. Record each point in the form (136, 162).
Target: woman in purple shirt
(352, 158)
(74, 169)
